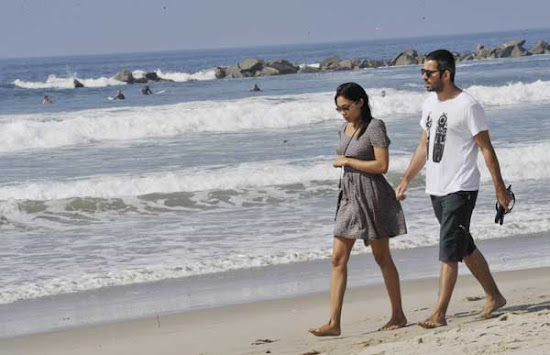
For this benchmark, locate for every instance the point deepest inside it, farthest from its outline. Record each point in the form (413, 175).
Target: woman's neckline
(347, 135)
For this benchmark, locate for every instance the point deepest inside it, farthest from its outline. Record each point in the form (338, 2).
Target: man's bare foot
(492, 305)
(395, 323)
(434, 321)
(325, 330)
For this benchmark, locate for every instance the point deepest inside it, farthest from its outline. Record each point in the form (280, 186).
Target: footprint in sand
(473, 298)
(262, 341)
(368, 343)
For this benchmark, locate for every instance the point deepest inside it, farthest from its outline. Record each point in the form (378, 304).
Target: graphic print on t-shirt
(439, 140)
(428, 127)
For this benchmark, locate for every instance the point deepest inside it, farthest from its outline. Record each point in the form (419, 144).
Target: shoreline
(141, 301)
(280, 326)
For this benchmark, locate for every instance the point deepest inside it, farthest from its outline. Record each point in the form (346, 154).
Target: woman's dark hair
(355, 92)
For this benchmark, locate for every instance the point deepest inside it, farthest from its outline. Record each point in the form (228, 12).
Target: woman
(368, 209)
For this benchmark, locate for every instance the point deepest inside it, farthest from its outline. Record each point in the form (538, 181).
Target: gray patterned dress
(369, 209)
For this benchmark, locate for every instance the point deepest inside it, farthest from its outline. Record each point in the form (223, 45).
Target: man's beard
(435, 87)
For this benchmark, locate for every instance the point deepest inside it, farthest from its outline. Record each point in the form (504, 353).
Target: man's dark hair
(445, 61)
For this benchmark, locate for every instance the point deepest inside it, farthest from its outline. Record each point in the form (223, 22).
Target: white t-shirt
(451, 126)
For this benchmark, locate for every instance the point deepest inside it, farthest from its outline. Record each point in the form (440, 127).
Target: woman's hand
(377, 166)
(340, 161)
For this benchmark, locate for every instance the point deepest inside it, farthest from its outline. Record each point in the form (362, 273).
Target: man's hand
(504, 197)
(418, 161)
(484, 142)
(401, 189)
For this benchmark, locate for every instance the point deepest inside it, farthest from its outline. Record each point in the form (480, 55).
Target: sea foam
(54, 82)
(518, 163)
(52, 130)
(74, 279)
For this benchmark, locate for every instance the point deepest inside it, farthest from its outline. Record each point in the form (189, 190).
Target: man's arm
(418, 161)
(484, 142)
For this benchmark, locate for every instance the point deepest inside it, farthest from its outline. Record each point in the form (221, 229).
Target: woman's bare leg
(338, 280)
(382, 255)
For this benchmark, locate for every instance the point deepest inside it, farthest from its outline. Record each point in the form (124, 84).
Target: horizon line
(268, 45)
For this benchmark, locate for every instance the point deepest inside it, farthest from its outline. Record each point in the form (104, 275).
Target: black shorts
(454, 212)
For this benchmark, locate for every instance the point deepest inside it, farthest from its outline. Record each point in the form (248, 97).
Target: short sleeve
(377, 134)
(476, 121)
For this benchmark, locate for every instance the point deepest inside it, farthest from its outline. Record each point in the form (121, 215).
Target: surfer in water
(146, 90)
(119, 95)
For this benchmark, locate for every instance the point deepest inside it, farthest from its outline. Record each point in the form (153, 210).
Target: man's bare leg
(447, 281)
(338, 282)
(382, 255)
(480, 269)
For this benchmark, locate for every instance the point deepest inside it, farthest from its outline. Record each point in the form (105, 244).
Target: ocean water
(208, 181)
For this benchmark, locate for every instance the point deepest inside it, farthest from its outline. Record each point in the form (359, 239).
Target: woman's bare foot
(395, 322)
(326, 330)
(434, 321)
(493, 303)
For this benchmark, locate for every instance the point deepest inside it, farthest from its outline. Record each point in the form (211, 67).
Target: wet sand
(280, 326)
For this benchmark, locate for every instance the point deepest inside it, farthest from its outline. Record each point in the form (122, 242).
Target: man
(454, 128)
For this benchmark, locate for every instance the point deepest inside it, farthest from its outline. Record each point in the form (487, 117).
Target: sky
(35, 28)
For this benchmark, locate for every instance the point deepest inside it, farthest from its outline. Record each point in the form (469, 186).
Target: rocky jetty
(408, 57)
(77, 84)
(254, 67)
(542, 47)
(126, 76)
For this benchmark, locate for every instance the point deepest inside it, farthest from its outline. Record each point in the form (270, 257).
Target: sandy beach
(280, 326)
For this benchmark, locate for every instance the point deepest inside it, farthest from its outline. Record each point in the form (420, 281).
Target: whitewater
(59, 129)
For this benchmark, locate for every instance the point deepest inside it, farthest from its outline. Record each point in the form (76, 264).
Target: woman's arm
(379, 165)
